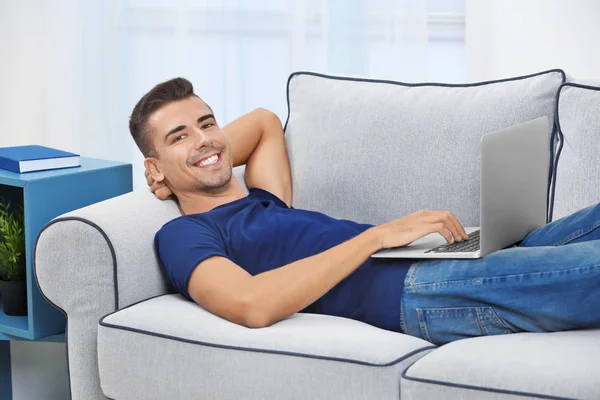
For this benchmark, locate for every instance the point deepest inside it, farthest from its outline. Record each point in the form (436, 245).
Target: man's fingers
(447, 234)
(452, 223)
(149, 178)
(461, 229)
(455, 227)
(443, 230)
(446, 221)
(163, 193)
(160, 189)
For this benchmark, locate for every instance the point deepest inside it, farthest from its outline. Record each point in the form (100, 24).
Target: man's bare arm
(225, 289)
(257, 140)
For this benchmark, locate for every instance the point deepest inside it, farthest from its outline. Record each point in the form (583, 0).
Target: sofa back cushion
(371, 150)
(577, 166)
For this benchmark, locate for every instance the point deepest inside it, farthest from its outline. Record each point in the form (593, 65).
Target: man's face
(193, 154)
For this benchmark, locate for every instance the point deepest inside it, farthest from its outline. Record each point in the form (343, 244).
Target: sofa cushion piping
(240, 348)
(481, 388)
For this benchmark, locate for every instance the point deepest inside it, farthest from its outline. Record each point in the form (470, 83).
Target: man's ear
(152, 166)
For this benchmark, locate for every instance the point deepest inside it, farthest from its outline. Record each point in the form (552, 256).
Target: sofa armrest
(96, 260)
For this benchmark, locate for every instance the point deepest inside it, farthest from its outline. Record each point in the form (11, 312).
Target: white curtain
(73, 70)
(61, 78)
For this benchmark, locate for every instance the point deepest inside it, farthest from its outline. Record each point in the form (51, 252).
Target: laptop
(514, 179)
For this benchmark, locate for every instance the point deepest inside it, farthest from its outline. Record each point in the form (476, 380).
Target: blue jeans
(548, 282)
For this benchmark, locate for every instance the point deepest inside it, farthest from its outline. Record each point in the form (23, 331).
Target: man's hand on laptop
(405, 230)
(160, 189)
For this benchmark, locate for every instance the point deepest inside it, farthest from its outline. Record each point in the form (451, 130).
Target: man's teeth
(210, 160)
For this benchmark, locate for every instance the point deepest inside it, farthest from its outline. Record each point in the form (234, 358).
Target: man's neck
(194, 203)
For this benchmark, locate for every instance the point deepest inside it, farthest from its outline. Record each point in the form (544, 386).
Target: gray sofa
(360, 149)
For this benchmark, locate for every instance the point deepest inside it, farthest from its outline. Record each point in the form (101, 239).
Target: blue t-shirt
(260, 232)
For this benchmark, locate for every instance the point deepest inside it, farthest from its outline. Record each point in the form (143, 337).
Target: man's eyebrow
(182, 127)
(205, 117)
(174, 130)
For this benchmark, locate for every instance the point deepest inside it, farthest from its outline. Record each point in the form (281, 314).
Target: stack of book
(21, 159)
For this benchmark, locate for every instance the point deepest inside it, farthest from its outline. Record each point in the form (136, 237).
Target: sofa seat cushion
(526, 365)
(169, 348)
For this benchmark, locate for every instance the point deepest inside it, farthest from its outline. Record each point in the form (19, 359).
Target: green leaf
(12, 241)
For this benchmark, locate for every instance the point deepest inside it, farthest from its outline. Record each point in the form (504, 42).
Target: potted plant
(13, 290)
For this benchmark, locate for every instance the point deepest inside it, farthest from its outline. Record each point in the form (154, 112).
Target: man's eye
(177, 138)
(206, 126)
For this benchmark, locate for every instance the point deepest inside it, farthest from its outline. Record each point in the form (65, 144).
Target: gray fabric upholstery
(239, 172)
(94, 261)
(560, 364)
(63, 250)
(373, 151)
(170, 348)
(577, 170)
(358, 151)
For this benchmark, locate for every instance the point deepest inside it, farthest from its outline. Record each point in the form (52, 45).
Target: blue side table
(46, 195)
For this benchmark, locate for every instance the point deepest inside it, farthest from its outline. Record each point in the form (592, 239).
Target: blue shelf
(60, 338)
(87, 165)
(45, 196)
(18, 326)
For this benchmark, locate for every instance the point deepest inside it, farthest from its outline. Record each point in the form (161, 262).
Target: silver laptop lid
(514, 181)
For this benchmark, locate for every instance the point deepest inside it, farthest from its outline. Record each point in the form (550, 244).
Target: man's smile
(210, 161)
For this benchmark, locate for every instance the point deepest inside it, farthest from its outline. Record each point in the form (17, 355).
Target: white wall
(57, 89)
(513, 37)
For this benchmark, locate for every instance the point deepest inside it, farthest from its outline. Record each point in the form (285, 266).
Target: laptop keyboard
(459, 247)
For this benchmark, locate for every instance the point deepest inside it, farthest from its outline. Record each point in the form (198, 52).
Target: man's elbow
(253, 316)
(256, 320)
(270, 119)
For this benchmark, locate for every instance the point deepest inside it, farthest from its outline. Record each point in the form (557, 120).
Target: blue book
(21, 159)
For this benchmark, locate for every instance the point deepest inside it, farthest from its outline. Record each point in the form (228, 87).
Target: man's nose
(200, 138)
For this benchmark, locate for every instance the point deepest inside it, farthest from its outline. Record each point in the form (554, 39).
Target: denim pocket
(443, 325)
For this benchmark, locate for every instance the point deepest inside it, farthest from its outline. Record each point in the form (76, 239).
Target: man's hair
(160, 95)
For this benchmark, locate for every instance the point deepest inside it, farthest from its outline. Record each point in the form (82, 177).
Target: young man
(254, 259)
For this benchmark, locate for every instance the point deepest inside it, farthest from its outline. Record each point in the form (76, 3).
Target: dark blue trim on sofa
(554, 137)
(114, 259)
(254, 350)
(449, 85)
(480, 388)
(558, 134)
(561, 136)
